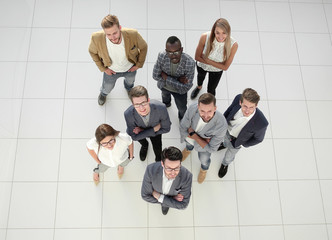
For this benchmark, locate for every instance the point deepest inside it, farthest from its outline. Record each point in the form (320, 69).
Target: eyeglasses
(104, 144)
(176, 53)
(142, 104)
(172, 169)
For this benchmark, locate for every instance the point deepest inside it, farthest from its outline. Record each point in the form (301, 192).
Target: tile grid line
(271, 122)
(18, 129)
(62, 122)
(308, 115)
(189, 157)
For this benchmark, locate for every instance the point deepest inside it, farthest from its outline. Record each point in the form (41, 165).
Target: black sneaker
(143, 152)
(164, 210)
(101, 99)
(221, 147)
(168, 104)
(194, 93)
(222, 171)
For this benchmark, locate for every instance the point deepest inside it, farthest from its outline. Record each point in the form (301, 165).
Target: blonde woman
(110, 148)
(214, 54)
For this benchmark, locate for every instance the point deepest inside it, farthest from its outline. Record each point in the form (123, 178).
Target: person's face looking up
(174, 52)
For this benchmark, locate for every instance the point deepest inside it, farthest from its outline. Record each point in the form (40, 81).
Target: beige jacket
(135, 46)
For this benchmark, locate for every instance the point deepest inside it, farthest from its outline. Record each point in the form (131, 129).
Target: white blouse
(217, 54)
(117, 155)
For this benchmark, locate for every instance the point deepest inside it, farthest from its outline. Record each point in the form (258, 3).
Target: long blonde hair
(224, 25)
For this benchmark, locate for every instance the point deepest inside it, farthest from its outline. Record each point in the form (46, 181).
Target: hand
(155, 194)
(183, 79)
(178, 197)
(207, 140)
(133, 69)
(190, 130)
(157, 127)
(137, 130)
(164, 75)
(109, 72)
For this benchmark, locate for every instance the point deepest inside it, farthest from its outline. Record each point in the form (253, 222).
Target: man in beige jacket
(117, 52)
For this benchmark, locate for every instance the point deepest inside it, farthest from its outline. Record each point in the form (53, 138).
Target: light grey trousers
(102, 167)
(230, 150)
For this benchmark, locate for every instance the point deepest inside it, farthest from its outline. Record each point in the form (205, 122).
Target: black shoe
(101, 99)
(168, 104)
(222, 171)
(221, 147)
(143, 152)
(157, 159)
(164, 210)
(194, 93)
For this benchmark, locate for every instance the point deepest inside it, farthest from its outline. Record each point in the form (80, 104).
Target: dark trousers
(156, 144)
(214, 78)
(180, 101)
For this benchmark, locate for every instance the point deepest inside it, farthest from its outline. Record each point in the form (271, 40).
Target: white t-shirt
(117, 53)
(117, 155)
(200, 125)
(235, 126)
(217, 54)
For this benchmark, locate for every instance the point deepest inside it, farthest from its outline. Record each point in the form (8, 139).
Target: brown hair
(138, 91)
(250, 95)
(104, 130)
(109, 21)
(207, 98)
(224, 25)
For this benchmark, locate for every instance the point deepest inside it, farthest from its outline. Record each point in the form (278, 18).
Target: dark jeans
(156, 144)
(214, 78)
(180, 101)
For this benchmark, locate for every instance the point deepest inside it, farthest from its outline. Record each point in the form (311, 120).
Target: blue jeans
(180, 101)
(204, 157)
(109, 81)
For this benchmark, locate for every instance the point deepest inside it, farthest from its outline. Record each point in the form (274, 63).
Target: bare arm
(200, 47)
(94, 155)
(131, 150)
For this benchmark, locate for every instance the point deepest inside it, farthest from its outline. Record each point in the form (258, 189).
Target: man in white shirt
(167, 182)
(118, 52)
(203, 128)
(246, 126)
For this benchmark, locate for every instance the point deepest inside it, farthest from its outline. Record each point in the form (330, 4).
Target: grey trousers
(102, 167)
(230, 151)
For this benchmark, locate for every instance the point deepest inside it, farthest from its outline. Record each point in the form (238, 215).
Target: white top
(117, 53)
(200, 125)
(166, 186)
(235, 126)
(117, 155)
(216, 54)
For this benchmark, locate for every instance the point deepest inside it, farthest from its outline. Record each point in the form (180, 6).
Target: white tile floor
(278, 190)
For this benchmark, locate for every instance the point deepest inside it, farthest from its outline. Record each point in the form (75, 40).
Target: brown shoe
(201, 176)
(96, 178)
(185, 154)
(120, 171)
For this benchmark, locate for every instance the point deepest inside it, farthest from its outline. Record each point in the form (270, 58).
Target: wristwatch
(192, 133)
(131, 158)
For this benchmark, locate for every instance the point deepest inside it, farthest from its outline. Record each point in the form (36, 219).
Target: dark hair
(207, 98)
(104, 130)
(250, 95)
(173, 39)
(138, 91)
(172, 154)
(109, 21)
